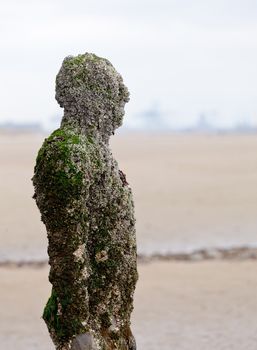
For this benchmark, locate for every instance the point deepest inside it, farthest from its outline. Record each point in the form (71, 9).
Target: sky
(185, 58)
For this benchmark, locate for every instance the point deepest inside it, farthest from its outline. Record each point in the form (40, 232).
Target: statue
(87, 208)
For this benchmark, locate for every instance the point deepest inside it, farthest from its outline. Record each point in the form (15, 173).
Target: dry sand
(190, 191)
(178, 305)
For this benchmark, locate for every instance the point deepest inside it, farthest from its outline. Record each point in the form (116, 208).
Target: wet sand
(191, 191)
(178, 305)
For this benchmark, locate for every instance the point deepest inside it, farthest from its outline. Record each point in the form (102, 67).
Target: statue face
(90, 88)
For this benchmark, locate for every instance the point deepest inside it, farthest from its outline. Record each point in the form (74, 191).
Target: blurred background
(186, 63)
(187, 145)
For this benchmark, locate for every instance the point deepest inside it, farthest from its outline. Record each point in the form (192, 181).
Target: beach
(195, 206)
(178, 305)
(190, 192)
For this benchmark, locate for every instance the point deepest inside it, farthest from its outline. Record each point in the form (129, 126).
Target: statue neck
(81, 125)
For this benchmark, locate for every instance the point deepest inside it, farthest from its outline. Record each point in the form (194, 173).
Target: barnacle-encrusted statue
(87, 208)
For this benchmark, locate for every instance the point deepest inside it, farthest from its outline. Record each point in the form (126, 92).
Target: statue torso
(98, 217)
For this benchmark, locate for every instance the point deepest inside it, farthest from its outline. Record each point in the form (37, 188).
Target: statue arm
(61, 191)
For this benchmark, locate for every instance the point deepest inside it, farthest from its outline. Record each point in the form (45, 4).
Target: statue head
(92, 94)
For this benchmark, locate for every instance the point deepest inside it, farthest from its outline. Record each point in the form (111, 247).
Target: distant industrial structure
(152, 119)
(16, 127)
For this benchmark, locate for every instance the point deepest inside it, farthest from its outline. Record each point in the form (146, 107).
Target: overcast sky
(185, 56)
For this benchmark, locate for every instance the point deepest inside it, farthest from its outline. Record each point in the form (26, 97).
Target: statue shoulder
(64, 165)
(64, 146)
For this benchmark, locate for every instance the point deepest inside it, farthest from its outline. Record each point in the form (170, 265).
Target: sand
(190, 191)
(178, 305)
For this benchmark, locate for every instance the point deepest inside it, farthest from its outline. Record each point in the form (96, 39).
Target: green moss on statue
(87, 207)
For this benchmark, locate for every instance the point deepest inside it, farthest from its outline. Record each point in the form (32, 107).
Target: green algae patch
(50, 315)
(60, 173)
(62, 328)
(79, 60)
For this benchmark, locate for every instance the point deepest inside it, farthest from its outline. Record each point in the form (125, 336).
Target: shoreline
(190, 193)
(229, 253)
